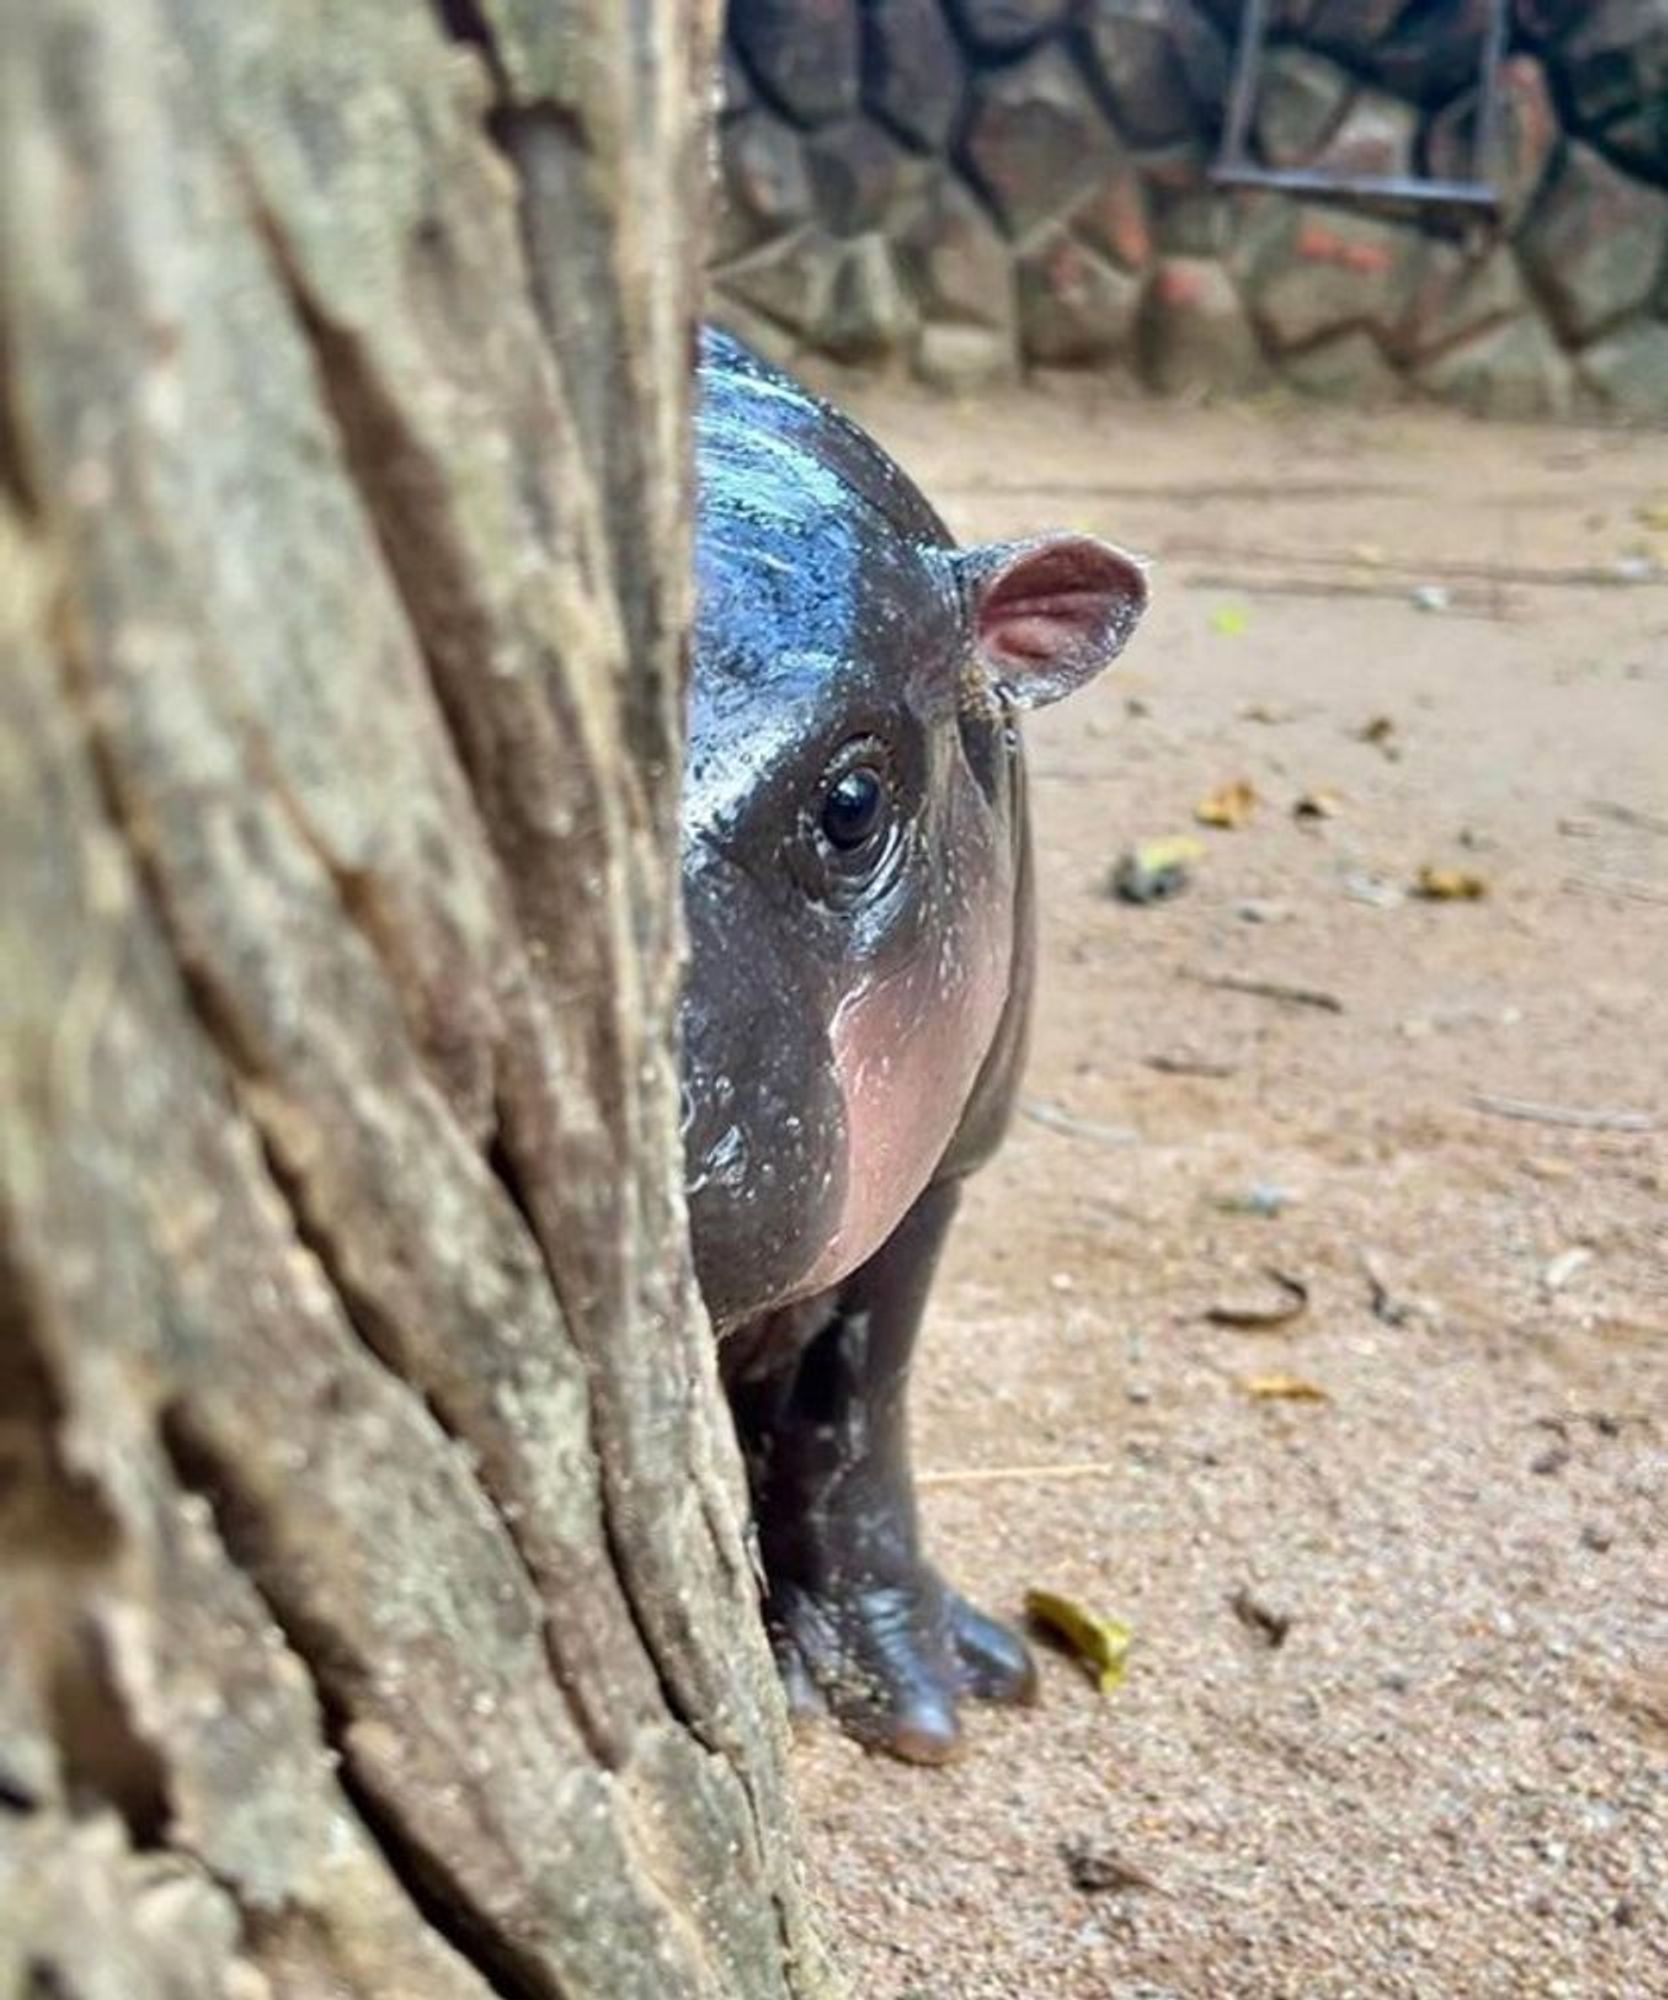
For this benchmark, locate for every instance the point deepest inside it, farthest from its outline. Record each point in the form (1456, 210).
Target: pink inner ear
(1055, 614)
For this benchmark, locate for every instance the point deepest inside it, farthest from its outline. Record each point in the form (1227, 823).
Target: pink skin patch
(907, 1050)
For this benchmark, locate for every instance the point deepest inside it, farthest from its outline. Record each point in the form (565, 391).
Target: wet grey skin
(858, 890)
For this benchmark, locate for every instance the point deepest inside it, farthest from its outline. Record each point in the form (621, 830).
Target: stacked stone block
(977, 186)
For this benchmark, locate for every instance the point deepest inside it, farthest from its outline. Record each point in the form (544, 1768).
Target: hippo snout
(763, 1123)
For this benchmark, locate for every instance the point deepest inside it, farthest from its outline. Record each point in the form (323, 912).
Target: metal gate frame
(1234, 166)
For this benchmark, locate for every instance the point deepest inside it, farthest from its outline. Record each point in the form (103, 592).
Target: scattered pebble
(1381, 733)
(1376, 891)
(1564, 1266)
(1262, 1198)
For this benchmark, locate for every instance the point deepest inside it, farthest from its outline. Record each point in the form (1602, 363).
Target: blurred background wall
(969, 188)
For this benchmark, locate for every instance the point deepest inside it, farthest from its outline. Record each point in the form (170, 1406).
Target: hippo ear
(1049, 614)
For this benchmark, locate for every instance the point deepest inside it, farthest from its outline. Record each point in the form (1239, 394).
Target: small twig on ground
(1649, 822)
(1386, 1305)
(1628, 886)
(1270, 989)
(989, 1475)
(1462, 604)
(1262, 1620)
(1188, 491)
(1058, 1119)
(1182, 1064)
(1575, 1116)
(1577, 576)
(1292, 1305)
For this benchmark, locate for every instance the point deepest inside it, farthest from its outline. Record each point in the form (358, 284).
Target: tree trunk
(375, 1611)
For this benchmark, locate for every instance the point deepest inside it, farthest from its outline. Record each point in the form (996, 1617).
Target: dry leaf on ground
(1450, 885)
(1152, 871)
(1102, 1644)
(1230, 806)
(1284, 1389)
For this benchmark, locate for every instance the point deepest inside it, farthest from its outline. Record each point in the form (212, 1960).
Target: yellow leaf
(1450, 885)
(1284, 1389)
(1169, 851)
(1102, 1644)
(1228, 806)
(1154, 870)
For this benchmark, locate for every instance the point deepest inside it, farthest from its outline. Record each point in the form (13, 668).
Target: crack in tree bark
(115, 1760)
(400, 496)
(399, 493)
(108, 1759)
(242, 1058)
(443, 1902)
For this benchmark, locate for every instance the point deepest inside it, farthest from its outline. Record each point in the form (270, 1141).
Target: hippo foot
(891, 1662)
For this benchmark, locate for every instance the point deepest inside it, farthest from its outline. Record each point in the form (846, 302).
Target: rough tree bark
(375, 1612)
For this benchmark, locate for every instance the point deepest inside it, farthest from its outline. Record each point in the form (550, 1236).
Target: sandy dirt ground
(1450, 1774)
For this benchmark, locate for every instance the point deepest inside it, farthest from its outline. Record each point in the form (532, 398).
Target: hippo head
(852, 825)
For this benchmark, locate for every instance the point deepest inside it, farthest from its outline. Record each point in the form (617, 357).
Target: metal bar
(1235, 167)
(1488, 99)
(1313, 180)
(1242, 96)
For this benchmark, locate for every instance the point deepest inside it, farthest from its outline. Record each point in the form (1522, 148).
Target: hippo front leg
(858, 1619)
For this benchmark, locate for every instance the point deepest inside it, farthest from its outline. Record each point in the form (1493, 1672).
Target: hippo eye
(853, 808)
(851, 824)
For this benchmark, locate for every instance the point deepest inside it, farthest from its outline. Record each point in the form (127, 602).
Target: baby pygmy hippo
(858, 885)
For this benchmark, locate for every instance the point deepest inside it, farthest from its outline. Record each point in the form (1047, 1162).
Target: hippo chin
(857, 880)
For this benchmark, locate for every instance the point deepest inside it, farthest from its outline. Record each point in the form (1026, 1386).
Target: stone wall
(980, 185)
